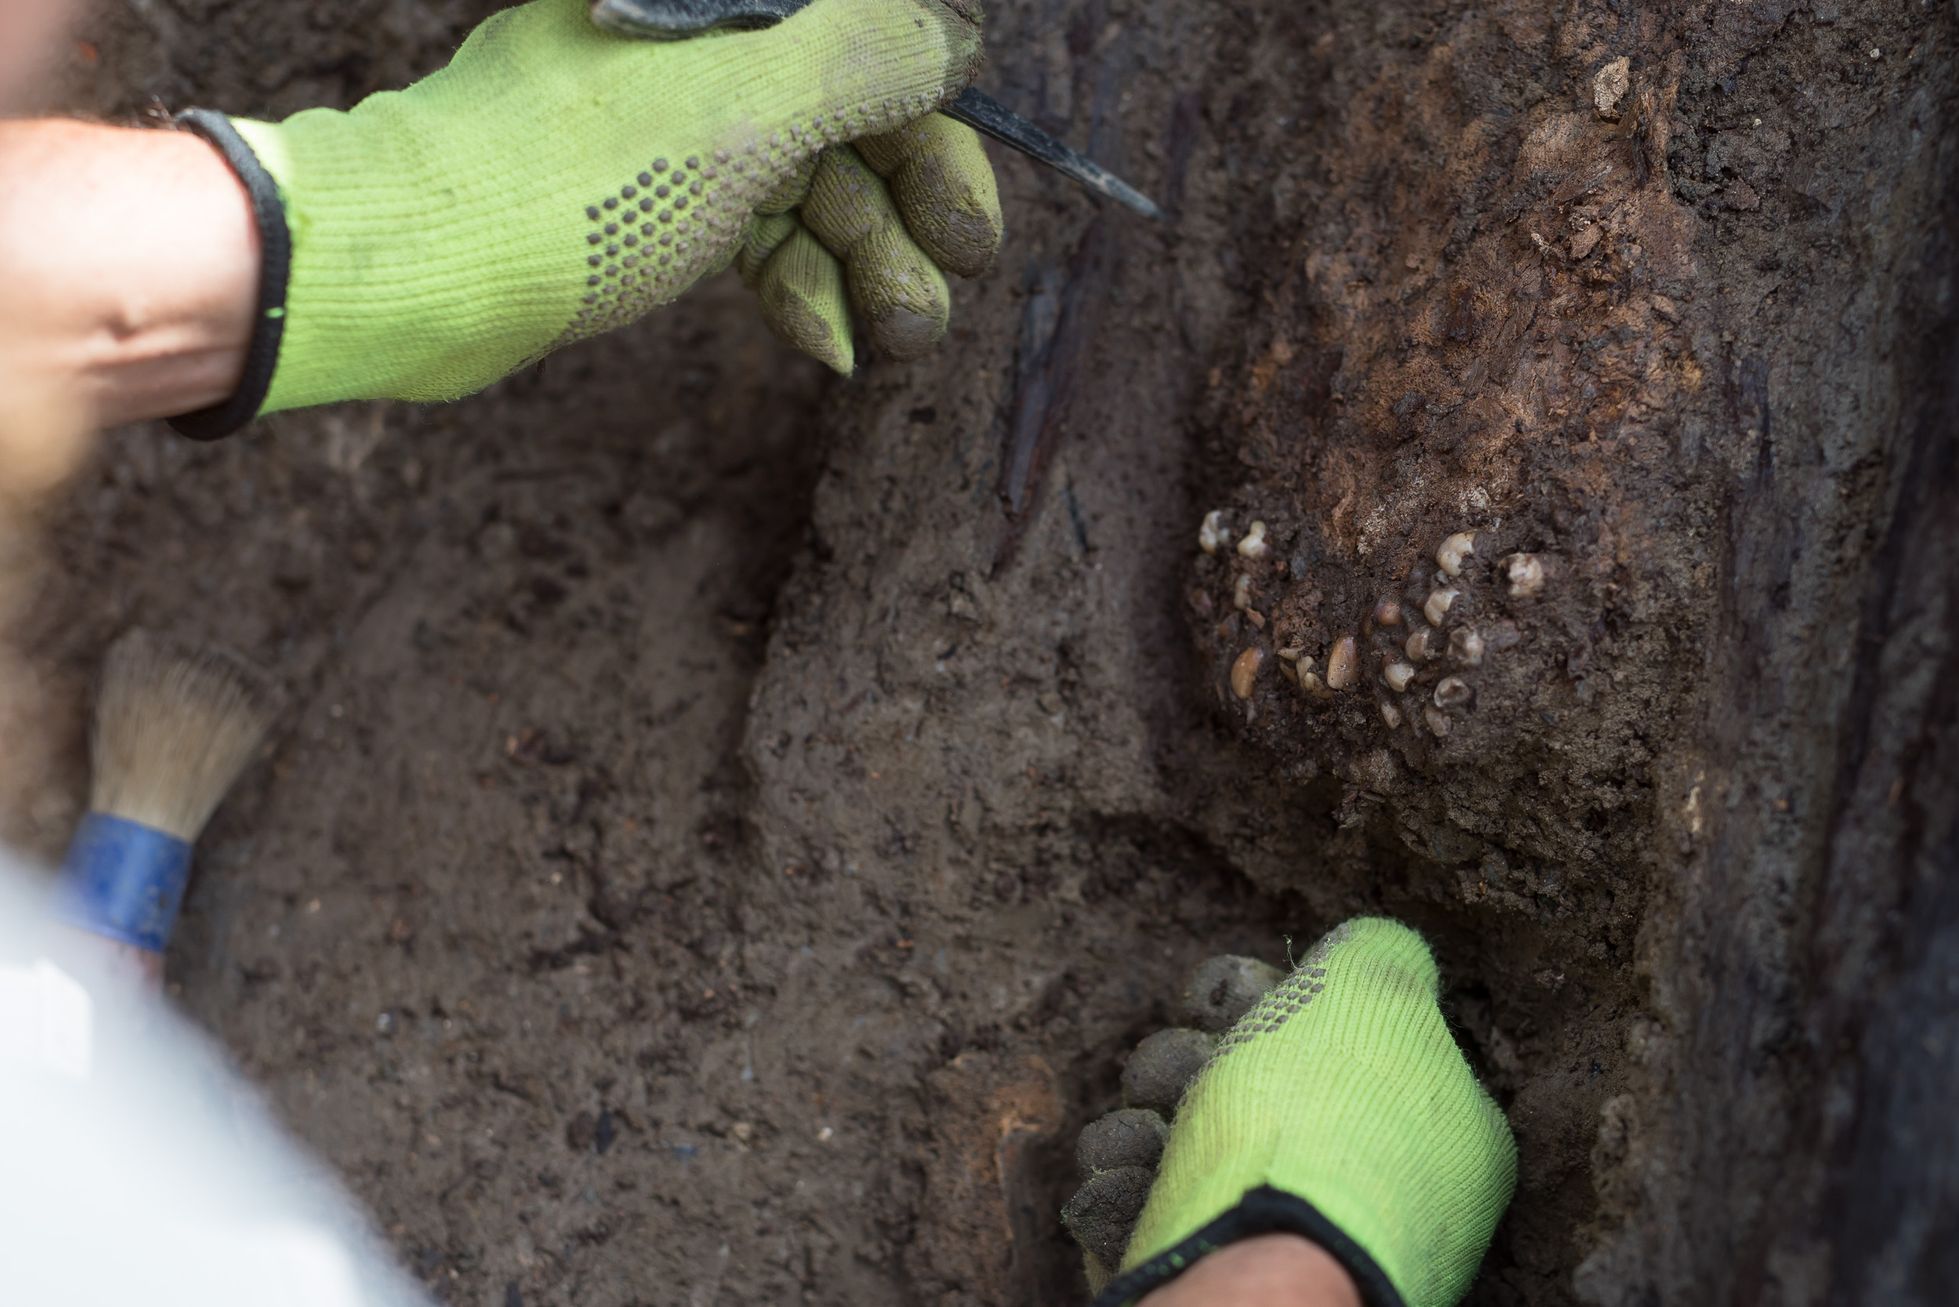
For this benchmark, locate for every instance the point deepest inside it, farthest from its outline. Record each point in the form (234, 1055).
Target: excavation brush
(173, 728)
(674, 20)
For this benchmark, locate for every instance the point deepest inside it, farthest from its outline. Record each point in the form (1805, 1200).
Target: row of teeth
(1524, 574)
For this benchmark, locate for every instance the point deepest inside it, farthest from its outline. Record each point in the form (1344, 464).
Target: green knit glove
(556, 181)
(1338, 1107)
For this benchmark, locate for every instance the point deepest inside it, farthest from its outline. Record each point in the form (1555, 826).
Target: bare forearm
(128, 266)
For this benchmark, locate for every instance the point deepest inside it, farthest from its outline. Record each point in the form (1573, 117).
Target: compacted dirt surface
(732, 822)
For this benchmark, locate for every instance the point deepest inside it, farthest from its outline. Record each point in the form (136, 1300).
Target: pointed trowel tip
(982, 112)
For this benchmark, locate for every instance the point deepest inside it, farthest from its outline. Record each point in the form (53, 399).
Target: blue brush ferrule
(124, 880)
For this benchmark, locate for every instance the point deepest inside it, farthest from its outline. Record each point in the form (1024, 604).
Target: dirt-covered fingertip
(967, 243)
(1102, 1213)
(1221, 989)
(804, 301)
(1128, 1136)
(904, 334)
(1163, 1066)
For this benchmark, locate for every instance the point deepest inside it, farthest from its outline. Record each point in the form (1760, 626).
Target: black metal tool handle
(983, 113)
(675, 20)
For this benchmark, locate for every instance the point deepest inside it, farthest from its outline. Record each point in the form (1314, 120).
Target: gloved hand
(556, 181)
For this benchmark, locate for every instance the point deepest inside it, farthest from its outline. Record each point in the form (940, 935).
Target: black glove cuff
(1264, 1210)
(275, 264)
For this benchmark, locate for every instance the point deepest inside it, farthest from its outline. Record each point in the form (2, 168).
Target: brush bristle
(173, 728)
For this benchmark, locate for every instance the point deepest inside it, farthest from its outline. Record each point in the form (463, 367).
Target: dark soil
(733, 821)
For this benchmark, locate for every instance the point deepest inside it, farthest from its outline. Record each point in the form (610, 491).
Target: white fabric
(136, 1170)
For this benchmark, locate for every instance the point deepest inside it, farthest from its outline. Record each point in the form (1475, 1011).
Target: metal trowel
(673, 20)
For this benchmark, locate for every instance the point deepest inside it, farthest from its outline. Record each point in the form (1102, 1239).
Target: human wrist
(170, 334)
(1281, 1270)
(264, 319)
(140, 265)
